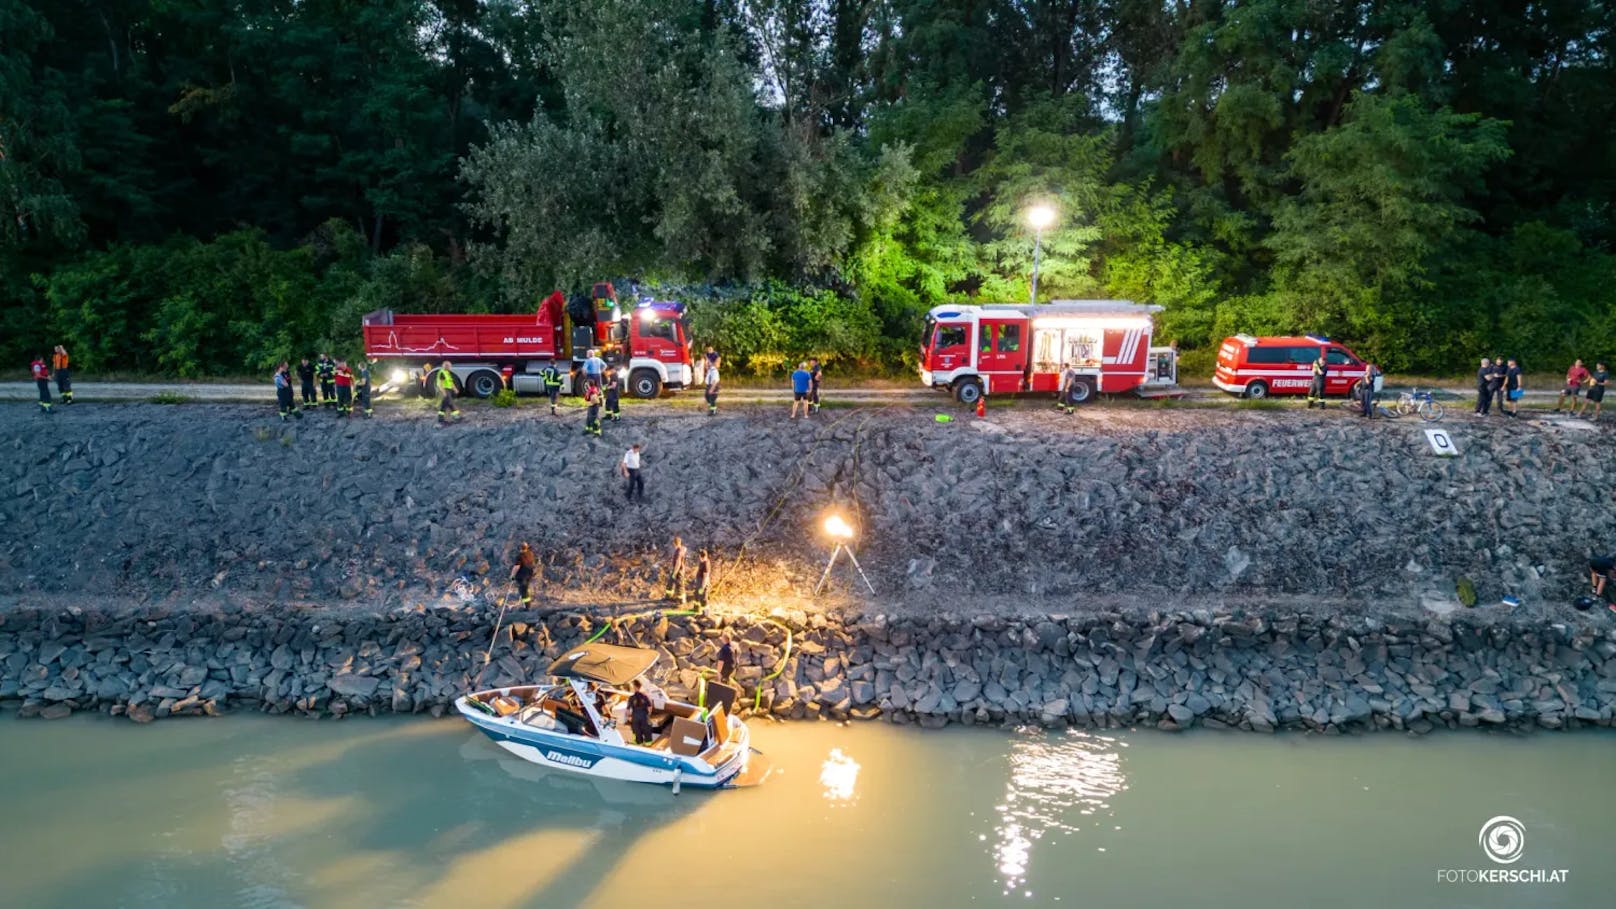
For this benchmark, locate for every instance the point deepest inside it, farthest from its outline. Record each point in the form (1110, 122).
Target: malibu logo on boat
(571, 760)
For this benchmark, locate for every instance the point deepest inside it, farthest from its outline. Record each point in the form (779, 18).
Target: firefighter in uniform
(42, 379)
(639, 715)
(676, 571)
(283, 392)
(327, 370)
(552, 386)
(362, 387)
(344, 380)
(1063, 396)
(62, 367)
(614, 409)
(1315, 392)
(305, 374)
(446, 391)
(522, 572)
(592, 412)
(704, 573)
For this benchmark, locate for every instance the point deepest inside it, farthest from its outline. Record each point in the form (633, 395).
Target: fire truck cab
(1007, 348)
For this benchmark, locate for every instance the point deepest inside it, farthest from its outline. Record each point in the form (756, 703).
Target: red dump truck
(646, 341)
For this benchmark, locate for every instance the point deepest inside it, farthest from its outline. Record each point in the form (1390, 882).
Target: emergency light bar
(1322, 339)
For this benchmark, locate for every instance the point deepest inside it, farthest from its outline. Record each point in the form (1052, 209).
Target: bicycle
(1419, 402)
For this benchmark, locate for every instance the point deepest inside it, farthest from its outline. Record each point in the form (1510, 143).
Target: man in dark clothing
(344, 382)
(552, 386)
(1495, 383)
(362, 387)
(522, 572)
(1321, 372)
(326, 369)
(1366, 390)
(283, 392)
(639, 715)
(305, 374)
(726, 660)
(676, 571)
(704, 571)
(1596, 390)
(42, 382)
(1514, 387)
(1484, 395)
(62, 366)
(614, 411)
(816, 375)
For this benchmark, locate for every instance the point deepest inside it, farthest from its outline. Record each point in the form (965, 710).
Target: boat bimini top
(607, 664)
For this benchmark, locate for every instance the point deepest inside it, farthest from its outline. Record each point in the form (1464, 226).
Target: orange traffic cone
(982, 406)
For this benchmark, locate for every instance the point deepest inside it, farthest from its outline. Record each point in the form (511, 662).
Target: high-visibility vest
(446, 380)
(59, 361)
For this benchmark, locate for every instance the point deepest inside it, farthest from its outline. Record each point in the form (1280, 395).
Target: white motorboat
(579, 723)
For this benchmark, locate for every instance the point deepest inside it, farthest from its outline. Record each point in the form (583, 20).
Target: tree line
(194, 187)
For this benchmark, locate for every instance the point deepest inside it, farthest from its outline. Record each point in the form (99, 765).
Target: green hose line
(757, 693)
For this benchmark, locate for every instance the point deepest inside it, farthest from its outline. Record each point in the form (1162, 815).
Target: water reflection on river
(258, 812)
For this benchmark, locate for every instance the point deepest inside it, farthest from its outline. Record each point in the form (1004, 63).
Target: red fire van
(1255, 367)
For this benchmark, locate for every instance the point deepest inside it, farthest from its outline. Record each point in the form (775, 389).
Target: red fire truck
(648, 341)
(1007, 348)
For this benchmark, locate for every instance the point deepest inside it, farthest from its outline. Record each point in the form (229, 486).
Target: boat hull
(591, 757)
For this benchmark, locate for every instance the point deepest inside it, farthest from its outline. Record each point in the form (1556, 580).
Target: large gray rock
(354, 686)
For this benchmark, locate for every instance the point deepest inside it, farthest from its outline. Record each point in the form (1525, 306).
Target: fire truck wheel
(1083, 391)
(644, 383)
(484, 383)
(967, 391)
(1256, 390)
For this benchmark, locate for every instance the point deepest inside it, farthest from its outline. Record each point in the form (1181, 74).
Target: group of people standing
(59, 368)
(1501, 381)
(1579, 379)
(339, 384)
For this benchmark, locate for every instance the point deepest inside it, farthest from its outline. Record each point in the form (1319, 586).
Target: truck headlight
(399, 376)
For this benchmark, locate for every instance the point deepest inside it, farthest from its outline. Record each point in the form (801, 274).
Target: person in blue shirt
(595, 369)
(801, 381)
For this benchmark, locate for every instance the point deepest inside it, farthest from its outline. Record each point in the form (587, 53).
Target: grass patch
(505, 397)
(1261, 404)
(168, 397)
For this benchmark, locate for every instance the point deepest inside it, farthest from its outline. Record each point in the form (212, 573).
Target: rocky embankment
(1165, 669)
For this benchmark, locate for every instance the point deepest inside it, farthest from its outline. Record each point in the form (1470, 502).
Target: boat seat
(575, 722)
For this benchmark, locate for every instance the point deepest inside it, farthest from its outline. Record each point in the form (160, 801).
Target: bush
(505, 397)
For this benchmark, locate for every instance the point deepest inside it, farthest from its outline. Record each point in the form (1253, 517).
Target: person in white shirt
(630, 468)
(712, 389)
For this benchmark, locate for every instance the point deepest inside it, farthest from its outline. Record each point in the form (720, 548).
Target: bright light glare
(838, 528)
(839, 776)
(1040, 216)
(399, 376)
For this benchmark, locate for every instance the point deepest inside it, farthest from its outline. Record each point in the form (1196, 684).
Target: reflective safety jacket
(552, 377)
(59, 361)
(326, 369)
(446, 380)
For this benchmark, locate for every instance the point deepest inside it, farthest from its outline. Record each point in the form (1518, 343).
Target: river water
(279, 812)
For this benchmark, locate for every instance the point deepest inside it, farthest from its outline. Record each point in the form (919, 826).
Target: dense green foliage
(199, 188)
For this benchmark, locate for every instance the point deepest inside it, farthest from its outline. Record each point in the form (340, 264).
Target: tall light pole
(1038, 217)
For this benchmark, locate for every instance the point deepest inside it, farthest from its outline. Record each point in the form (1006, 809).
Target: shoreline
(1257, 671)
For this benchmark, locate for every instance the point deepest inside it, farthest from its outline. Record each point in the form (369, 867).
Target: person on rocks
(1368, 388)
(1321, 373)
(362, 388)
(1484, 395)
(283, 392)
(447, 386)
(639, 715)
(62, 366)
(1495, 384)
(676, 571)
(1601, 570)
(634, 487)
(614, 406)
(1576, 377)
(711, 393)
(305, 375)
(726, 660)
(42, 382)
(552, 386)
(816, 377)
(591, 409)
(527, 565)
(1596, 390)
(1514, 386)
(801, 379)
(326, 369)
(343, 376)
(704, 573)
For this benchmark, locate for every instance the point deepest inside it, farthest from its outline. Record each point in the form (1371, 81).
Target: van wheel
(1256, 390)
(644, 383)
(1082, 392)
(968, 391)
(484, 384)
